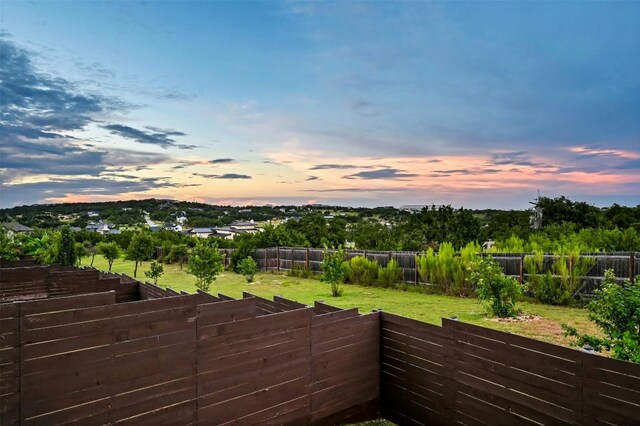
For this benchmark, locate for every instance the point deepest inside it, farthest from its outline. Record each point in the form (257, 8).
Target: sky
(359, 103)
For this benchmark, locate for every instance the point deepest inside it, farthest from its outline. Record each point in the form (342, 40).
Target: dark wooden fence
(461, 373)
(186, 359)
(625, 265)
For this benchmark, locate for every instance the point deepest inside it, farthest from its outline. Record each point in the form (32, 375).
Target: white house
(173, 227)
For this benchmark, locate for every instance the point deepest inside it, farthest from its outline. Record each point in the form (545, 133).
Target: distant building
(103, 228)
(173, 227)
(226, 233)
(181, 218)
(244, 227)
(93, 214)
(201, 232)
(16, 227)
(244, 211)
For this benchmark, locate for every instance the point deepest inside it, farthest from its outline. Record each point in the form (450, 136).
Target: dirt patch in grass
(519, 318)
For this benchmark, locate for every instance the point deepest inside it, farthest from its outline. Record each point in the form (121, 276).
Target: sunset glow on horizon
(342, 103)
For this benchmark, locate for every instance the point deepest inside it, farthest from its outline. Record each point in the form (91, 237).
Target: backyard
(538, 321)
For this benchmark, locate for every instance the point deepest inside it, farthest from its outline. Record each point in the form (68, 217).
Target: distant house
(173, 227)
(201, 232)
(226, 233)
(93, 214)
(244, 211)
(16, 227)
(244, 227)
(181, 218)
(103, 228)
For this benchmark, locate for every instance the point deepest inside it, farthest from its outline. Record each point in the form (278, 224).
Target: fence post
(521, 278)
(278, 258)
(306, 259)
(632, 265)
(293, 258)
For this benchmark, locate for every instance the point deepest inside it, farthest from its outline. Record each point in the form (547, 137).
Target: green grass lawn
(423, 307)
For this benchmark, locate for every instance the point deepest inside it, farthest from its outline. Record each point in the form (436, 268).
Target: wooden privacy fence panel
(503, 376)
(258, 362)
(345, 373)
(38, 282)
(9, 363)
(416, 372)
(611, 391)
(461, 373)
(115, 363)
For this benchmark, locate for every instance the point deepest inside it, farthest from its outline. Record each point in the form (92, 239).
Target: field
(538, 321)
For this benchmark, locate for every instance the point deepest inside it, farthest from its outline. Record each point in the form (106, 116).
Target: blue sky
(475, 104)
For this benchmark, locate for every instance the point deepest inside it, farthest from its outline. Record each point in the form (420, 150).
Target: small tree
(155, 271)
(90, 250)
(205, 263)
(48, 250)
(248, 268)
(140, 249)
(334, 270)
(110, 251)
(179, 252)
(616, 310)
(495, 288)
(67, 251)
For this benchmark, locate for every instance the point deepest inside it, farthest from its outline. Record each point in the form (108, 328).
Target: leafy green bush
(334, 270)
(245, 246)
(427, 266)
(496, 289)
(616, 310)
(300, 272)
(447, 271)
(363, 271)
(248, 267)
(390, 276)
(9, 247)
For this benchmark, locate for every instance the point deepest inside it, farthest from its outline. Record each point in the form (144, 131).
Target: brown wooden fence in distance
(625, 265)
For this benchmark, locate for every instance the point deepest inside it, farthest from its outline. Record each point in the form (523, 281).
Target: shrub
(391, 275)
(496, 289)
(549, 290)
(300, 272)
(245, 246)
(427, 266)
(248, 268)
(334, 270)
(363, 271)
(616, 310)
(570, 267)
